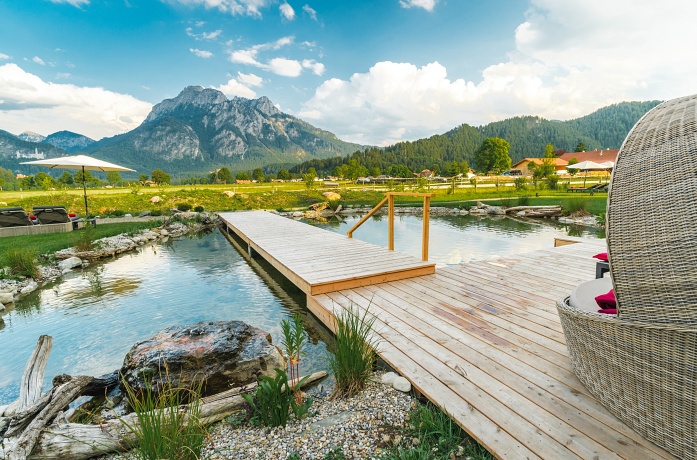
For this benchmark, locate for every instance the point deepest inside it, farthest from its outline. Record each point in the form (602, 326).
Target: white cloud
(28, 102)
(249, 79)
(284, 67)
(234, 7)
(310, 11)
(4, 56)
(75, 3)
(201, 53)
(316, 67)
(570, 59)
(203, 35)
(240, 86)
(38, 60)
(287, 11)
(61, 75)
(428, 5)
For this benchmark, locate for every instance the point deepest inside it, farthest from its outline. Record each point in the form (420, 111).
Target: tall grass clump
(294, 340)
(577, 206)
(354, 356)
(20, 262)
(167, 427)
(86, 240)
(274, 400)
(523, 200)
(441, 438)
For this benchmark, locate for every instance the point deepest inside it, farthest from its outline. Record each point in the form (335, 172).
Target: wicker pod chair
(642, 363)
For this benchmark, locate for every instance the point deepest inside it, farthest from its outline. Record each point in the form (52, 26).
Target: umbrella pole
(84, 189)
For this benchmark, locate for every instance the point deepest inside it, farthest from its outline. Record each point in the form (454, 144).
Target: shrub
(166, 427)
(354, 356)
(183, 207)
(520, 183)
(21, 262)
(198, 209)
(577, 205)
(85, 241)
(274, 399)
(524, 200)
(552, 181)
(156, 212)
(118, 212)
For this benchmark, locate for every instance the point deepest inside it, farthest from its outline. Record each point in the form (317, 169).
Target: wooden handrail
(389, 199)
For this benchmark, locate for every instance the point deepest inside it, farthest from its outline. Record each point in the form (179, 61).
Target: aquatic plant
(20, 262)
(294, 339)
(354, 354)
(274, 400)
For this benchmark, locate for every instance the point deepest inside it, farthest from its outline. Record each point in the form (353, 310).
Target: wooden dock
(481, 340)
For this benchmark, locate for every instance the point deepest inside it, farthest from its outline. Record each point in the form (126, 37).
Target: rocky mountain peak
(265, 106)
(190, 97)
(31, 136)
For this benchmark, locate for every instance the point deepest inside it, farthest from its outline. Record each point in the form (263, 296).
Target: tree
(400, 171)
(160, 177)
(242, 176)
(89, 178)
(258, 175)
(113, 177)
(283, 174)
(375, 171)
(572, 171)
(581, 147)
(224, 175)
(143, 177)
(493, 156)
(309, 179)
(66, 178)
(547, 169)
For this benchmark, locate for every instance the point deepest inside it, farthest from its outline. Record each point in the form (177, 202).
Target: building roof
(558, 162)
(598, 156)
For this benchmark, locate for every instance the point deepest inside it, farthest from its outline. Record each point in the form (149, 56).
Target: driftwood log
(535, 211)
(34, 428)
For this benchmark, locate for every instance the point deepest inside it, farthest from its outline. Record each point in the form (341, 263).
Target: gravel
(362, 427)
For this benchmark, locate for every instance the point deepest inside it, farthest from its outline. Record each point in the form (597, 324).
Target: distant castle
(36, 155)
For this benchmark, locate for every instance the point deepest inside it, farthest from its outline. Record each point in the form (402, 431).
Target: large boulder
(224, 354)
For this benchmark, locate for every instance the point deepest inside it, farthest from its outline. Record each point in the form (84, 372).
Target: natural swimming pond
(95, 315)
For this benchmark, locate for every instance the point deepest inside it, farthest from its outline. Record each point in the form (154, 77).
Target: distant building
(597, 156)
(425, 173)
(243, 181)
(522, 165)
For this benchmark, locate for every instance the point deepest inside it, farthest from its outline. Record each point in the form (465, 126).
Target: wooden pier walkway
(481, 340)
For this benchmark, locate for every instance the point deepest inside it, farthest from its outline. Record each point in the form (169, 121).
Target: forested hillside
(447, 153)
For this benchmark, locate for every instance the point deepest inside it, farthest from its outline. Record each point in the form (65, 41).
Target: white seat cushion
(583, 297)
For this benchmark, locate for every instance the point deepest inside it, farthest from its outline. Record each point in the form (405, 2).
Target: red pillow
(602, 256)
(72, 215)
(608, 311)
(32, 217)
(606, 301)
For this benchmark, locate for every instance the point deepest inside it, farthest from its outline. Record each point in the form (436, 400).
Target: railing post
(390, 222)
(424, 237)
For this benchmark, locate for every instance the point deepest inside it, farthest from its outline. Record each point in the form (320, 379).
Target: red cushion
(602, 256)
(607, 300)
(72, 215)
(32, 217)
(608, 311)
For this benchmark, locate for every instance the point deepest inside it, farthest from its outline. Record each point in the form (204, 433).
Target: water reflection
(96, 314)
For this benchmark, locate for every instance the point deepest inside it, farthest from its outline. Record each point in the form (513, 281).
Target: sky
(371, 71)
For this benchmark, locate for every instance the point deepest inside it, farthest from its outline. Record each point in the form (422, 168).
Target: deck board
(482, 340)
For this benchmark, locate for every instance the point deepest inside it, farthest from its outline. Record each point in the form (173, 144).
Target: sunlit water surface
(95, 315)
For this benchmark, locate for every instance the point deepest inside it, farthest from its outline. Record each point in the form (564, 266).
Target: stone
(332, 420)
(128, 215)
(155, 199)
(298, 214)
(229, 193)
(69, 263)
(144, 214)
(164, 232)
(225, 354)
(401, 384)
(388, 377)
(31, 287)
(332, 196)
(6, 298)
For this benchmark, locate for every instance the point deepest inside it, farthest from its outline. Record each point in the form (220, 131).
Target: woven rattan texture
(651, 226)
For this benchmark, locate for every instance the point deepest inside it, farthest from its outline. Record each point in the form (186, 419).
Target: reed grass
(20, 262)
(354, 354)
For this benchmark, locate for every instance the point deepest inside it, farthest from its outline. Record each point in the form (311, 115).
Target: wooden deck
(483, 341)
(318, 261)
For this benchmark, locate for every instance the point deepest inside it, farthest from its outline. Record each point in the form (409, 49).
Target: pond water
(95, 315)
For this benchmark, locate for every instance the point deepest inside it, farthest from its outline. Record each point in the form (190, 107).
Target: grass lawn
(52, 242)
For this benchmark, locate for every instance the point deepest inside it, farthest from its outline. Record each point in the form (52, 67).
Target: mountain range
(201, 130)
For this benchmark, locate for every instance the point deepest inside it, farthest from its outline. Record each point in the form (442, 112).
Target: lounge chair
(641, 363)
(14, 217)
(53, 215)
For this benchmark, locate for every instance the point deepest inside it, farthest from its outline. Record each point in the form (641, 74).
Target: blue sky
(370, 71)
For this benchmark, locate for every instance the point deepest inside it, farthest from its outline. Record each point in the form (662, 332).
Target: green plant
(156, 212)
(166, 426)
(335, 454)
(274, 399)
(199, 209)
(118, 212)
(85, 241)
(183, 207)
(576, 205)
(354, 356)
(294, 339)
(21, 262)
(293, 456)
(524, 200)
(520, 183)
(552, 182)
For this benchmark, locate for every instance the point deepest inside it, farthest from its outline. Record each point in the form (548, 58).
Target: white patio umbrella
(83, 162)
(587, 166)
